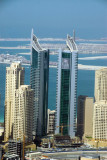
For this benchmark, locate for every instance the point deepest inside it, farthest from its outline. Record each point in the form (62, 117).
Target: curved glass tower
(39, 83)
(67, 89)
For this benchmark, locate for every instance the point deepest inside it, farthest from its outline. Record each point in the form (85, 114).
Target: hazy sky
(53, 18)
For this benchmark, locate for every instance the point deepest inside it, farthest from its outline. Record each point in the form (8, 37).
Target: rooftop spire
(74, 35)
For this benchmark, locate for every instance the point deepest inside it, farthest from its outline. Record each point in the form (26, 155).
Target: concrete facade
(88, 127)
(100, 121)
(51, 122)
(14, 78)
(23, 117)
(100, 106)
(101, 85)
(85, 117)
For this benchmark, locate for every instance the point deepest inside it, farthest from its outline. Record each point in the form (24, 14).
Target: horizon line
(51, 39)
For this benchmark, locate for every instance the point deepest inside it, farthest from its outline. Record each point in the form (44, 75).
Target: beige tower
(88, 126)
(85, 117)
(101, 85)
(100, 120)
(100, 106)
(14, 78)
(24, 97)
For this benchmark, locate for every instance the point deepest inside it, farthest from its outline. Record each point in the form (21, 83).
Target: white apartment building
(101, 84)
(100, 106)
(23, 117)
(100, 120)
(14, 78)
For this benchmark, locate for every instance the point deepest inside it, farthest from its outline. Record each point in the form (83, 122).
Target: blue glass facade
(39, 83)
(66, 89)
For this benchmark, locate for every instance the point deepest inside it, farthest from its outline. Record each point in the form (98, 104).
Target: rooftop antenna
(31, 34)
(31, 43)
(74, 35)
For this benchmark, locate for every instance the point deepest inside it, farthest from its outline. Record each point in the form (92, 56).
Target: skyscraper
(14, 78)
(100, 120)
(100, 106)
(23, 113)
(39, 83)
(67, 88)
(101, 85)
(85, 117)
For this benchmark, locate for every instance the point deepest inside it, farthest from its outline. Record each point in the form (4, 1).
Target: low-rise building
(11, 157)
(51, 122)
(15, 148)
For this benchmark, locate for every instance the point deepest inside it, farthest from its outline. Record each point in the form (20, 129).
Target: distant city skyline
(53, 18)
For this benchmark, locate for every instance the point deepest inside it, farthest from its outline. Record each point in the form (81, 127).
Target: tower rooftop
(71, 44)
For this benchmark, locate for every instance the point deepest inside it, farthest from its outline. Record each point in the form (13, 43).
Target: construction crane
(23, 155)
(6, 141)
(23, 147)
(62, 126)
(2, 157)
(98, 141)
(61, 129)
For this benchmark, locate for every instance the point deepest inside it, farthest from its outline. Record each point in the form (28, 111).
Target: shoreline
(80, 66)
(53, 39)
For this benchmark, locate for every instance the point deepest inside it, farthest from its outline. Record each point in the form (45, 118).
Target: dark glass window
(65, 90)
(34, 58)
(65, 55)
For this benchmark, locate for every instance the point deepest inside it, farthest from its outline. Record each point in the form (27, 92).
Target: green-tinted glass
(65, 55)
(65, 76)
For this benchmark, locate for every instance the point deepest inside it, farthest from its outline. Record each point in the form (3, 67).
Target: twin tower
(35, 114)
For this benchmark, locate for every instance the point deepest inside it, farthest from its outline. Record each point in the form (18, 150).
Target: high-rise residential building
(51, 122)
(100, 106)
(39, 83)
(67, 89)
(80, 115)
(101, 85)
(14, 78)
(85, 117)
(23, 116)
(100, 120)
